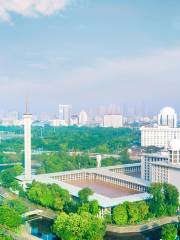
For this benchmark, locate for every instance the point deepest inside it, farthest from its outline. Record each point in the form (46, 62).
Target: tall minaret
(27, 144)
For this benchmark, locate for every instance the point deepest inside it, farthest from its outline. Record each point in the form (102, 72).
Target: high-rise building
(167, 117)
(74, 120)
(65, 113)
(113, 120)
(83, 118)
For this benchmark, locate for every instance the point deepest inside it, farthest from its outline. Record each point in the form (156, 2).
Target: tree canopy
(79, 227)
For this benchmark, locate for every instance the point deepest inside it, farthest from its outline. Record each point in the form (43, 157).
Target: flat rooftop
(107, 193)
(104, 188)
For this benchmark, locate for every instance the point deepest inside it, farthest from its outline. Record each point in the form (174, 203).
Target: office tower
(113, 120)
(65, 113)
(83, 118)
(74, 120)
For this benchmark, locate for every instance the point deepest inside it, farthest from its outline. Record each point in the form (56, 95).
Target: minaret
(27, 144)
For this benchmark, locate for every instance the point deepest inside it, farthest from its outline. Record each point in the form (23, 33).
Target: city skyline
(128, 54)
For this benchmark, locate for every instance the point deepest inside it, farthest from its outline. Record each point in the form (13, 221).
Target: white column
(27, 144)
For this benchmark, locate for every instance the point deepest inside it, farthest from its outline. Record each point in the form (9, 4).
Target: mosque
(111, 185)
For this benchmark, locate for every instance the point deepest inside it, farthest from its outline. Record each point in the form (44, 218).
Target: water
(149, 235)
(42, 228)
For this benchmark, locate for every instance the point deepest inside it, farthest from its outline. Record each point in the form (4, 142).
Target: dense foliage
(4, 235)
(9, 217)
(7, 177)
(102, 140)
(169, 232)
(51, 196)
(165, 199)
(82, 226)
(164, 202)
(130, 213)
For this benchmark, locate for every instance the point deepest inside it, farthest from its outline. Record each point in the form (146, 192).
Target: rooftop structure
(124, 187)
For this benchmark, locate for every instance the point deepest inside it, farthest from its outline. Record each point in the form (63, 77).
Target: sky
(88, 53)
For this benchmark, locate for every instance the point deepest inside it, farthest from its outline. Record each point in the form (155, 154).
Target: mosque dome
(167, 111)
(167, 117)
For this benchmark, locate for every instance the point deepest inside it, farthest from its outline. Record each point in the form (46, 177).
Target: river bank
(138, 228)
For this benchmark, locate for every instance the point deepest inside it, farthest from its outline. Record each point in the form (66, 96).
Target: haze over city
(86, 53)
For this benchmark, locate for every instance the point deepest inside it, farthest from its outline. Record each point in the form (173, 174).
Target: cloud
(157, 65)
(151, 78)
(31, 8)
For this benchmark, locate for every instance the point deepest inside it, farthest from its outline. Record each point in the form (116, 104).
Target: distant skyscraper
(74, 120)
(167, 117)
(65, 113)
(83, 118)
(113, 120)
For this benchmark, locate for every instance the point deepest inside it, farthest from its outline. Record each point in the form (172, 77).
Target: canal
(42, 228)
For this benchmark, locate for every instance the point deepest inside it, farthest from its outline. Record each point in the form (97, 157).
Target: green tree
(47, 195)
(9, 217)
(7, 176)
(94, 207)
(143, 209)
(79, 227)
(157, 203)
(133, 212)
(4, 236)
(120, 216)
(169, 232)
(171, 198)
(84, 195)
(17, 205)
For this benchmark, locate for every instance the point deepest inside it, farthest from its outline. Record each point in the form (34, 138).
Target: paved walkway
(142, 227)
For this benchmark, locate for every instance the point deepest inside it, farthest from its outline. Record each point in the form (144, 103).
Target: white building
(164, 132)
(167, 117)
(74, 120)
(83, 118)
(161, 169)
(147, 160)
(113, 120)
(57, 122)
(65, 113)
(159, 136)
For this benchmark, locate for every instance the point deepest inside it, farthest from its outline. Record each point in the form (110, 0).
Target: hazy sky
(89, 52)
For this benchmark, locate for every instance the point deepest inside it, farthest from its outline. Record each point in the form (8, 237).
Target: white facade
(167, 170)
(27, 145)
(57, 123)
(83, 118)
(146, 162)
(167, 117)
(113, 120)
(65, 113)
(158, 136)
